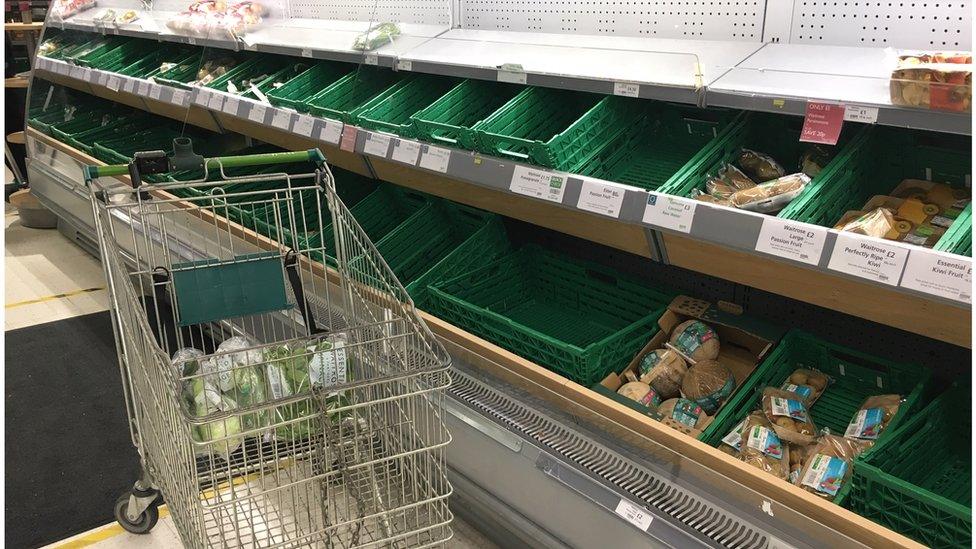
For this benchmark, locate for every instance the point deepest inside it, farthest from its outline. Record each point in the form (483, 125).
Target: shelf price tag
(669, 212)
(626, 89)
(377, 144)
(281, 119)
(154, 91)
(635, 515)
(113, 83)
(257, 113)
(822, 123)
(179, 97)
(870, 259)
(331, 132)
(348, 140)
(202, 97)
(938, 274)
(130, 86)
(601, 197)
(143, 88)
(306, 52)
(406, 151)
(232, 105)
(371, 59)
(434, 158)
(538, 183)
(858, 113)
(304, 125)
(404, 65)
(512, 77)
(216, 102)
(791, 240)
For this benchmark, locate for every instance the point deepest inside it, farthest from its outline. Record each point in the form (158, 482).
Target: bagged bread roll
(705, 197)
(763, 449)
(682, 412)
(695, 340)
(789, 416)
(872, 418)
(709, 384)
(771, 196)
(808, 384)
(663, 369)
(760, 166)
(640, 392)
(828, 466)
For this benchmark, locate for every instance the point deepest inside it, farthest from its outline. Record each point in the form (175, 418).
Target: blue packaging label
(765, 440)
(804, 391)
(867, 424)
(734, 438)
(789, 408)
(825, 474)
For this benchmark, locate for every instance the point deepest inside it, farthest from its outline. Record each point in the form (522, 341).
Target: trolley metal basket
(322, 426)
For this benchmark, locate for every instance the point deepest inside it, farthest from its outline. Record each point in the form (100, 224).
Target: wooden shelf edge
(18, 27)
(16, 82)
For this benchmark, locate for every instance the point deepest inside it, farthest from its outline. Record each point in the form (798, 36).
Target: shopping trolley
(275, 400)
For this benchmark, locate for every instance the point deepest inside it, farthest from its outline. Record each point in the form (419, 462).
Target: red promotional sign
(348, 141)
(822, 123)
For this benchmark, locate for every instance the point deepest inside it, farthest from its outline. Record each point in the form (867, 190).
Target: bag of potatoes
(872, 418)
(789, 416)
(798, 456)
(763, 449)
(732, 442)
(828, 465)
(808, 384)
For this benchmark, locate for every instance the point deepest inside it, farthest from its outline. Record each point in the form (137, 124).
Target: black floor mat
(68, 450)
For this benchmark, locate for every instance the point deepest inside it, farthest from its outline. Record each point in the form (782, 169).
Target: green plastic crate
(80, 45)
(665, 139)
(554, 128)
(343, 99)
(393, 113)
(773, 134)
(875, 165)
(450, 119)
(264, 71)
(578, 319)
(44, 120)
(184, 73)
(296, 92)
(113, 59)
(918, 480)
(170, 55)
(76, 131)
(855, 376)
(959, 238)
(94, 50)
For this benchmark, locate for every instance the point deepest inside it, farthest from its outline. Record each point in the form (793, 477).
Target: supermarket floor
(69, 454)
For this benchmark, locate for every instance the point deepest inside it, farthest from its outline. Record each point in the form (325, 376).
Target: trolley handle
(311, 155)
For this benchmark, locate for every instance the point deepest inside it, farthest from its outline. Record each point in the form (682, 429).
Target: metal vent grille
(643, 485)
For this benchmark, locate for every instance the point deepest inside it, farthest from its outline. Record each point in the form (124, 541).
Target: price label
(216, 102)
(130, 86)
(281, 119)
(377, 144)
(626, 89)
(871, 259)
(143, 88)
(231, 105)
(62, 68)
(202, 97)
(331, 132)
(822, 123)
(938, 274)
(512, 77)
(306, 52)
(434, 158)
(348, 140)
(858, 113)
(669, 212)
(371, 59)
(154, 91)
(602, 198)
(404, 65)
(791, 240)
(113, 83)
(179, 97)
(406, 151)
(304, 125)
(635, 515)
(77, 72)
(538, 183)
(257, 113)
(191, 41)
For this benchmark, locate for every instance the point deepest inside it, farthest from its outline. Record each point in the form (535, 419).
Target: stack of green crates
(875, 165)
(345, 98)
(663, 143)
(393, 112)
(262, 71)
(959, 238)
(773, 134)
(449, 119)
(554, 128)
(575, 318)
(854, 377)
(918, 479)
(296, 92)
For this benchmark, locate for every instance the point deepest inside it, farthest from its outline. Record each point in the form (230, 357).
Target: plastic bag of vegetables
(221, 435)
(226, 361)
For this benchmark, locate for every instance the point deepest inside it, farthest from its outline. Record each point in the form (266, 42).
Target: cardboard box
(745, 341)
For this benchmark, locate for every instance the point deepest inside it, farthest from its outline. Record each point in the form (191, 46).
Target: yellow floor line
(100, 534)
(50, 298)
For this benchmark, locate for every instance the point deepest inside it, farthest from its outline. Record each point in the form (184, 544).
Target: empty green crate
(918, 480)
(875, 165)
(773, 134)
(167, 56)
(44, 120)
(81, 46)
(263, 71)
(92, 51)
(120, 56)
(450, 119)
(343, 99)
(959, 238)
(554, 128)
(578, 319)
(185, 73)
(393, 112)
(296, 92)
(855, 376)
(665, 139)
(76, 132)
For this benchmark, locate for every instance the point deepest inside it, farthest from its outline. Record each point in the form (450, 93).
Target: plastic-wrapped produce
(760, 166)
(772, 196)
(828, 466)
(763, 449)
(789, 416)
(235, 352)
(376, 36)
(663, 369)
(709, 384)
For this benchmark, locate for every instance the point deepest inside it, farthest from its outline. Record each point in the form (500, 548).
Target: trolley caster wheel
(143, 524)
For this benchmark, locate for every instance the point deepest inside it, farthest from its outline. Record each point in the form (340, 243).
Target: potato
(798, 378)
